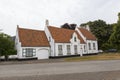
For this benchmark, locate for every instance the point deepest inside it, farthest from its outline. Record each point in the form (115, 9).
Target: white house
(54, 42)
(91, 45)
(64, 41)
(31, 44)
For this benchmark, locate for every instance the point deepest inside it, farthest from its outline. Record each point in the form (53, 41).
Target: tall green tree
(115, 37)
(6, 46)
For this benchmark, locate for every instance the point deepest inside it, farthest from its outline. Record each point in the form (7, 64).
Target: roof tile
(32, 38)
(87, 34)
(61, 35)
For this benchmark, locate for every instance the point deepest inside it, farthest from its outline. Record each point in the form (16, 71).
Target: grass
(104, 56)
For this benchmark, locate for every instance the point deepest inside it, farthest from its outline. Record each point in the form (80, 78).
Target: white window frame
(60, 50)
(94, 47)
(68, 49)
(75, 39)
(28, 52)
(89, 45)
(75, 49)
(84, 48)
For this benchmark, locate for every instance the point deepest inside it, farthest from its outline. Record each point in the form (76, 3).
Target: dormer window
(75, 39)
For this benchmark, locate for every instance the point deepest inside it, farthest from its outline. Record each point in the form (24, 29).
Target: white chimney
(47, 22)
(87, 27)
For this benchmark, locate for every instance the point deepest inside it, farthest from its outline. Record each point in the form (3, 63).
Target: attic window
(75, 39)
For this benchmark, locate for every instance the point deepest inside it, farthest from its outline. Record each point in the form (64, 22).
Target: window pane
(94, 46)
(60, 50)
(84, 48)
(68, 50)
(75, 49)
(29, 52)
(75, 39)
(89, 46)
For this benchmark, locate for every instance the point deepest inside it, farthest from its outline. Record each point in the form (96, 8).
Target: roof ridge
(60, 28)
(30, 29)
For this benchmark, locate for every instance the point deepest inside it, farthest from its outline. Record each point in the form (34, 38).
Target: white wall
(72, 43)
(92, 50)
(38, 50)
(51, 41)
(88, 41)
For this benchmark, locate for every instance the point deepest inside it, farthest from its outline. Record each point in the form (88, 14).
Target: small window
(75, 49)
(89, 46)
(75, 39)
(68, 49)
(84, 48)
(60, 50)
(94, 46)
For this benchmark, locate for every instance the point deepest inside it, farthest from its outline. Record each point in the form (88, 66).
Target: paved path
(62, 68)
(107, 75)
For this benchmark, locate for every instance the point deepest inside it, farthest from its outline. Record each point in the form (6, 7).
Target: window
(28, 52)
(75, 39)
(68, 49)
(89, 46)
(84, 48)
(94, 48)
(60, 51)
(75, 49)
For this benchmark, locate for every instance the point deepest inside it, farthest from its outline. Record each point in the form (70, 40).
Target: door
(43, 54)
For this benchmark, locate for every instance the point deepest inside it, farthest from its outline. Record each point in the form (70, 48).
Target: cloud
(32, 14)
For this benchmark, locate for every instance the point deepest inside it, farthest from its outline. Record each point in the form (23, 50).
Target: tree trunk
(6, 57)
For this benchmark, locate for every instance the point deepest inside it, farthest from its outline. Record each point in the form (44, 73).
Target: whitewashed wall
(17, 44)
(87, 51)
(51, 41)
(92, 50)
(37, 52)
(72, 43)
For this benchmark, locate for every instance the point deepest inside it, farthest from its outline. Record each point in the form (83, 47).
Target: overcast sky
(33, 13)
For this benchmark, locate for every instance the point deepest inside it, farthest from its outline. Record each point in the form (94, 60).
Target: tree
(101, 30)
(69, 26)
(115, 37)
(6, 46)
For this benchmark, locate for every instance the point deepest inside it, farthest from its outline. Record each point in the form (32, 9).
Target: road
(86, 70)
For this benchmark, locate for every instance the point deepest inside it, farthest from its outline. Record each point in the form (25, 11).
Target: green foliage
(102, 31)
(108, 34)
(6, 45)
(115, 37)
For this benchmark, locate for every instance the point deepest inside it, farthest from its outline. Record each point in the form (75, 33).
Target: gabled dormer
(86, 34)
(74, 38)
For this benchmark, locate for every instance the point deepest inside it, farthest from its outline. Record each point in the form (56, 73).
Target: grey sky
(33, 13)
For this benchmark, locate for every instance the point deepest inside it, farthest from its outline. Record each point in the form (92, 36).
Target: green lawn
(103, 56)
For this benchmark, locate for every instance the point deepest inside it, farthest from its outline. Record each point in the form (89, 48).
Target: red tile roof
(32, 38)
(61, 35)
(87, 34)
